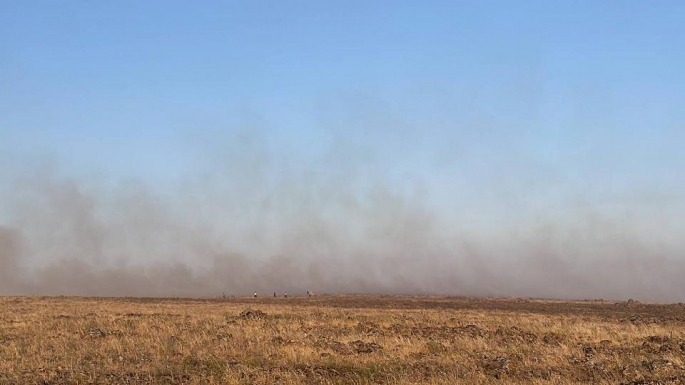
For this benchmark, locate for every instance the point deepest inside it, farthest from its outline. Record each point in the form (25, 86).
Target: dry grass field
(338, 340)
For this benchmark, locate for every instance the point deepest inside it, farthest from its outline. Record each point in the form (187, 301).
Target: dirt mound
(495, 367)
(553, 338)
(364, 347)
(515, 334)
(278, 340)
(96, 333)
(470, 330)
(252, 314)
(367, 327)
(355, 347)
(341, 348)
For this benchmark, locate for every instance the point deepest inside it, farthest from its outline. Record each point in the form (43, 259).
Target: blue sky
(534, 103)
(483, 147)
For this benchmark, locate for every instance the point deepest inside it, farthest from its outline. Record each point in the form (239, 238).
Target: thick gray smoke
(255, 222)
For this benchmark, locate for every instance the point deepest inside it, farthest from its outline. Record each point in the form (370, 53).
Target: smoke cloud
(256, 220)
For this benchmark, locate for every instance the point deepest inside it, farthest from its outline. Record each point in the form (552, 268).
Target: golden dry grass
(338, 340)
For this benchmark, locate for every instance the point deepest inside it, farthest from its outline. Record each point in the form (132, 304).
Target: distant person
(285, 294)
(274, 294)
(255, 294)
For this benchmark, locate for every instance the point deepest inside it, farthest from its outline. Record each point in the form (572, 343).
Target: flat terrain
(338, 340)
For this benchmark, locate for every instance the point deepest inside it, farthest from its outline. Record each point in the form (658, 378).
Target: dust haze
(249, 220)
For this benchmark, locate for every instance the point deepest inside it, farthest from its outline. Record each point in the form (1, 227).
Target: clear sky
(535, 103)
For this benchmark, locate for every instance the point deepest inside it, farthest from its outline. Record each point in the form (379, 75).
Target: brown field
(338, 340)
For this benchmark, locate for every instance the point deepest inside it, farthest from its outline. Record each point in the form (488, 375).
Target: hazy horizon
(456, 148)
